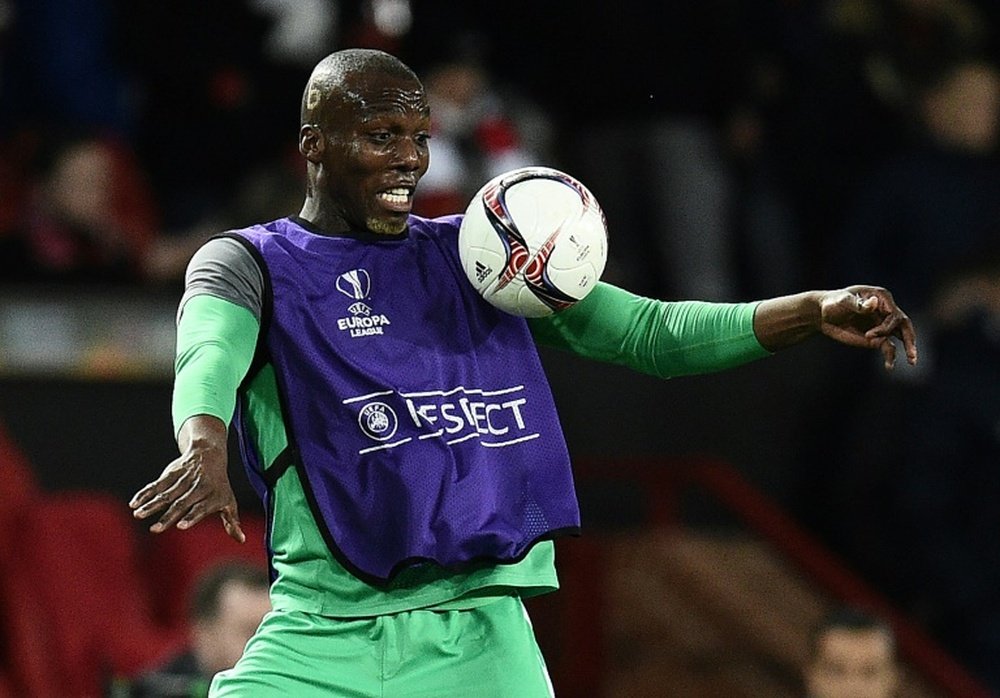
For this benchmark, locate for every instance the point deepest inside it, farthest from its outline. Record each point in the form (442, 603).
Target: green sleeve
(215, 345)
(660, 338)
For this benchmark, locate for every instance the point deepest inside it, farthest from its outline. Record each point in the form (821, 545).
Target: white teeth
(398, 195)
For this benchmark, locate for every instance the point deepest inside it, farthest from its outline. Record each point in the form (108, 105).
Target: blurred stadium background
(739, 149)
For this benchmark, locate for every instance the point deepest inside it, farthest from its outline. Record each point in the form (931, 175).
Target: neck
(324, 217)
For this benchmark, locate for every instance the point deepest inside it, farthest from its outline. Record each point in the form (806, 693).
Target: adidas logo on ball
(482, 271)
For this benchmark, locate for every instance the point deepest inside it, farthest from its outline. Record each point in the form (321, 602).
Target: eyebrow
(371, 114)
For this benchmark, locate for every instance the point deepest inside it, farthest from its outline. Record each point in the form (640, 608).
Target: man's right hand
(194, 485)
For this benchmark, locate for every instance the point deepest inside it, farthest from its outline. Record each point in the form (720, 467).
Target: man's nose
(407, 154)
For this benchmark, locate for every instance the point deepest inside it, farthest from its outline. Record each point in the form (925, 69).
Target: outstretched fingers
(143, 499)
(184, 504)
(164, 497)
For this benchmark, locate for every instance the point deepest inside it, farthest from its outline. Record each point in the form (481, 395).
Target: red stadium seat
(26, 632)
(77, 602)
(6, 687)
(18, 478)
(22, 650)
(175, 559)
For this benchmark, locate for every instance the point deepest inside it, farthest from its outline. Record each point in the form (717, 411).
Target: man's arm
(215, 345)
(654, 337)
(217, 327)
(680, 338)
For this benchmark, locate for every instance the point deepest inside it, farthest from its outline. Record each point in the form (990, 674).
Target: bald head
(330, 77)
(364, 135)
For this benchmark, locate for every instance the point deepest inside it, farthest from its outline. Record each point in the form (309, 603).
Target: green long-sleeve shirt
(215, 345)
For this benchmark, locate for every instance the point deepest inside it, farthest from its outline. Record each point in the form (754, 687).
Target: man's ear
(311, 142)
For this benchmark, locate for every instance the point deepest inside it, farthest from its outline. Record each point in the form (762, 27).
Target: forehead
(365, 96)
(855, 645)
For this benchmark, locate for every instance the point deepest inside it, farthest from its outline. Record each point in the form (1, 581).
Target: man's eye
(380, 136)
(422, 138)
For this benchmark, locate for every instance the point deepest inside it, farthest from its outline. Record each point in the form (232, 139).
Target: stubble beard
(385, 227)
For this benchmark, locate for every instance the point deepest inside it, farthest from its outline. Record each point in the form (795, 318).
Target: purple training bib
(424, 425)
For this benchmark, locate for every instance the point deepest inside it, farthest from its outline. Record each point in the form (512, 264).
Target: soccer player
(400, 429)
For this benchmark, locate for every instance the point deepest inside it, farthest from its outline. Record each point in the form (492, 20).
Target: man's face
(852, 664)
(377, 136)
(219, 641)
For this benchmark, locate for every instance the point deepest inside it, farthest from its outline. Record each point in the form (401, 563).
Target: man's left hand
(868, 317)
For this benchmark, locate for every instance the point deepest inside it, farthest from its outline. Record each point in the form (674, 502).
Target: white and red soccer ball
(533, 241)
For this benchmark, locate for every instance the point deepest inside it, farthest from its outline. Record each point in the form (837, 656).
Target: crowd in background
(739, 149)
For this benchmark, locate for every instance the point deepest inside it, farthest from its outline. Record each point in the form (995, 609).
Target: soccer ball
(533, 241)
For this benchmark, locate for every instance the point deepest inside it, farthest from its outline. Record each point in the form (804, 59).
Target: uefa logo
(355, 284)
(378, 421)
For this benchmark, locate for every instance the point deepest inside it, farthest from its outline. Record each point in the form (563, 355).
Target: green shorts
(488, 652)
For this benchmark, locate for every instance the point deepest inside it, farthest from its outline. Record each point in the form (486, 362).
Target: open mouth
(397, 199)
